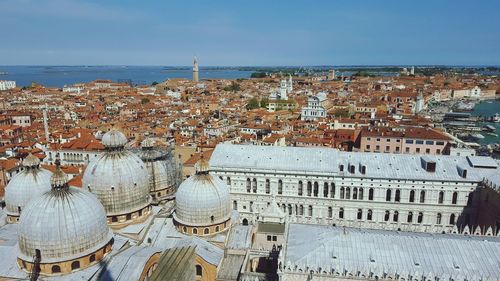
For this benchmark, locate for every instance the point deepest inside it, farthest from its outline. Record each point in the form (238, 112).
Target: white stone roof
(334, 249)
(327, 161)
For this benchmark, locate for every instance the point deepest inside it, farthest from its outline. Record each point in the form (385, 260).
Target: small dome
(114, 139)
(31, 161)
(65, 223)
(202, 200)
(25, 186)
(120, 180)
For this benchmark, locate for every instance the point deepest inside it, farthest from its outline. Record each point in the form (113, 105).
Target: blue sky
(321, 32)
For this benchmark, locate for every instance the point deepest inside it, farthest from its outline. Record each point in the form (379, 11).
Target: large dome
(119, 179)
(62, 225)
(202, 200)
(161, 174)
(25, 186)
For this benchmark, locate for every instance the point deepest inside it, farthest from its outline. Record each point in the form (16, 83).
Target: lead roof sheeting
(309, 160)
(315, 246)
(207, 251)
(240, 237)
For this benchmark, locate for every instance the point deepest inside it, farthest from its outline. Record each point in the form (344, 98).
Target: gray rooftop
(336, 249)
(327, 161)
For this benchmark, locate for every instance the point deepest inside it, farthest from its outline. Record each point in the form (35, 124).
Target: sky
(253, 33)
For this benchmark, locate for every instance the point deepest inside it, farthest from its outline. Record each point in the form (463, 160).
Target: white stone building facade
(354, 191)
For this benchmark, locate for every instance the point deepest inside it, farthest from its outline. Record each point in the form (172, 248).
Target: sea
(487, 109)
(59, 76)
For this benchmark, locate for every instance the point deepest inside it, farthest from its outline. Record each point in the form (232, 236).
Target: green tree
(264, 102)
(154, 83)
(253, 103)
(234, 87)
(144, 100)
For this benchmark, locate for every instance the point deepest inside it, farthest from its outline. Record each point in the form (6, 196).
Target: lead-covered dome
(31, 183)
(202, 200)
(61, 227)
(120, 180)
(114, 139)
(162, 180)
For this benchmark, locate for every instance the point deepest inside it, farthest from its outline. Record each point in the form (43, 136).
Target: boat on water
(489, 128)
(476, 136)
(464, 106)
(495, 118)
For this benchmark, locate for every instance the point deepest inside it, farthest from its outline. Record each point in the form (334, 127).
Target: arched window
(114, 219)
(330, 212)
(438, 218)
(184, 229)
(249, 187)
(454, 198)
(56, 269)
(441, 197)
(75, 265)
(268, 186)
(360, 214)
(301, 210)
(360, 193)
(410, 217)
(217, 228)
(199, 270)
(290, 209)
(309, 188)
(254, 185)
(325, 190)
(212, 218)
(205, 231)
(388, 194)
(228, 181)
(341, 213)
(370, 194)
(235, 205)
(387, 215)
(420, 217)
(342, 193)
(355, 193)
(332, 190)
(310, 210)
(245, 222)
(422, 196)
(452, 219)
(280, 187)
(195, 231)
(412, 196)
(397, 195)
(347, 193)
(395, 216)
(92, 258)
(316, 189)
(301, 188)
(369, 215)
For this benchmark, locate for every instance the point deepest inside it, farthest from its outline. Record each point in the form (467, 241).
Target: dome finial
(202, 166)
(31, 161)
(59, 179)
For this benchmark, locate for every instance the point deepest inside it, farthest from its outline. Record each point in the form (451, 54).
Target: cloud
(66, 9)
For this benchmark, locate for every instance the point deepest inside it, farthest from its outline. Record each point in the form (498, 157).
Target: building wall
(337, 200)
